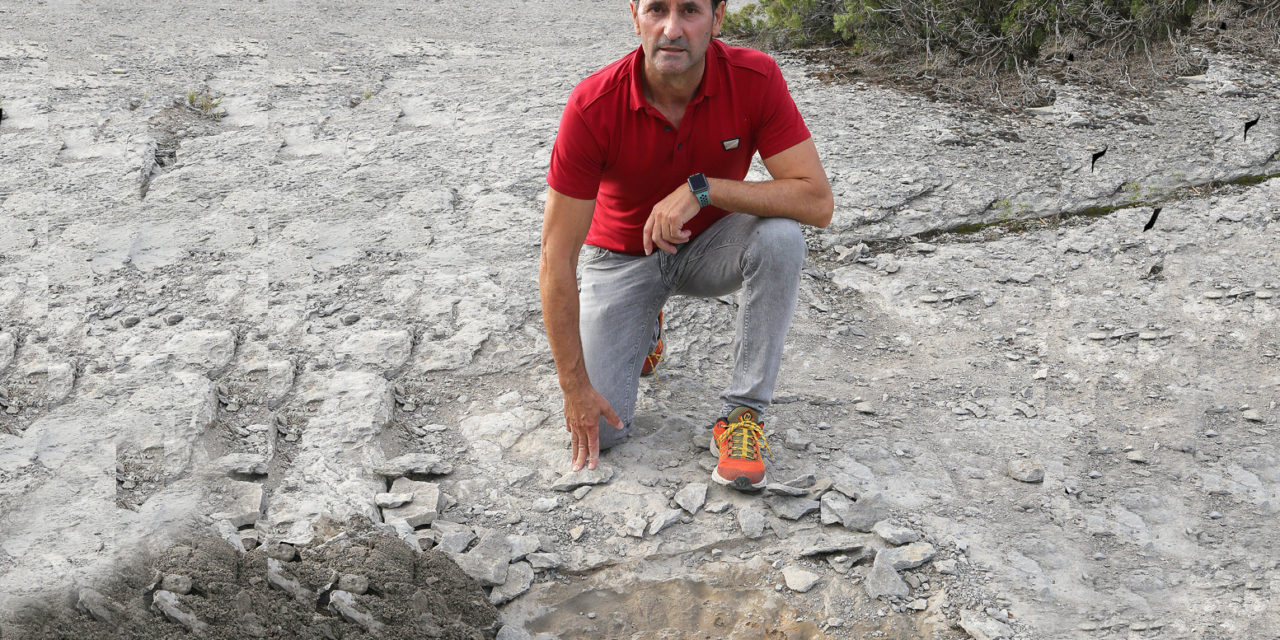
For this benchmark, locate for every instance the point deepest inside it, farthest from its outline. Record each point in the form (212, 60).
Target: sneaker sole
(741, 483)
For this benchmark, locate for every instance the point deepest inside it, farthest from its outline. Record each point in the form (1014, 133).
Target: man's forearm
(557, 285)
(800, 199)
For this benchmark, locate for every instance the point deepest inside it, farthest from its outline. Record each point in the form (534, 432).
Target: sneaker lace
(745, 437)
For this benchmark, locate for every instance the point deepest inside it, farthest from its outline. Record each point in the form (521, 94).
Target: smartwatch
(698, 185)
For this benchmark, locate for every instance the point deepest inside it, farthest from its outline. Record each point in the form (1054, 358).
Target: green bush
(995, 34)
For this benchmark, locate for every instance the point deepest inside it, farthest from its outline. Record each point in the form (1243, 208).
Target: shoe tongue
(738, 414)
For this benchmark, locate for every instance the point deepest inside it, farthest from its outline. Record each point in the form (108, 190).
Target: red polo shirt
(615, 148)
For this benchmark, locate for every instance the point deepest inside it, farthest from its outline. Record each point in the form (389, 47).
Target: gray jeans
(621, 295)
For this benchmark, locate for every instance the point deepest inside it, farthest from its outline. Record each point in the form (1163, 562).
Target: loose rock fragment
(453, 537)
(883, 581)
(906, 557)
(785, 490)
(522, 546)
(344, 604)
(835, 507)
(791, 508)
(353, 583)
(582, 477)
(894, 534)
(751, 520)
(426, 504)
(799, 580)
(176, 583)
(635, 526)
(664, 520)
(102, 608)
(486, 562)
(277, 578)
(866, 513)
(1024, 470)
(166, 602)
(544, 560)
(519, 578)
(545, 505)
(692, 497)
(980, 626)
(238, 502)
(392, 500)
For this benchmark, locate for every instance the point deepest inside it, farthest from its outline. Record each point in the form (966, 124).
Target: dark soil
(415, 594)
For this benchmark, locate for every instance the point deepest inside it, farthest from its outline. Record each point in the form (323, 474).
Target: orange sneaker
(737, 440)
(651, 361)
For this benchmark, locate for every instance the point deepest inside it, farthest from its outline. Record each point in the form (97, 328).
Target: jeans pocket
(592, 254)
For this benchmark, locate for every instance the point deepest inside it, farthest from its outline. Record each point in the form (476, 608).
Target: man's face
(675, 33)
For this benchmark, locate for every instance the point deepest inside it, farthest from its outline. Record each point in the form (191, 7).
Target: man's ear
(635, 19)
(718, 18)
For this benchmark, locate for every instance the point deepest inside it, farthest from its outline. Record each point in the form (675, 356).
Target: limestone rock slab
(426, 503)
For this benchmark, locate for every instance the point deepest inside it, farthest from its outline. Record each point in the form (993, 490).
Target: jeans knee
(779, 243)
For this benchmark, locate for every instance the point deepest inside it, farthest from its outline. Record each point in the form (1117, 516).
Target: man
(651, 154)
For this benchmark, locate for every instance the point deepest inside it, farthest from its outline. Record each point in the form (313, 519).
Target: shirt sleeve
(577, 158)
(781, 126)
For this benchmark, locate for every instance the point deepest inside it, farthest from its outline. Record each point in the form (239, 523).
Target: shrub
(993, 34)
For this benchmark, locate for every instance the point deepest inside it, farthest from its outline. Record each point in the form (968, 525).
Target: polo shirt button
(668, 128)
(679, 146)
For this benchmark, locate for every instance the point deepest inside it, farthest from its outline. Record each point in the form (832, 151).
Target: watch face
(698, 182)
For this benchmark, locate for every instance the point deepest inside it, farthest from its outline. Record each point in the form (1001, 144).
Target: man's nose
(671, 28)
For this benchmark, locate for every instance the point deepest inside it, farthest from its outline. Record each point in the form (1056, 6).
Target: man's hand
(582, 411)
(665, 226)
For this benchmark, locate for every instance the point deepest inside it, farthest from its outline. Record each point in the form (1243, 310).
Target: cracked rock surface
(252, 315)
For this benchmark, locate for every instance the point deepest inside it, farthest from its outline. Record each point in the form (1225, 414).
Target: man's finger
(648, 229)
(612, 418)
(593, 448)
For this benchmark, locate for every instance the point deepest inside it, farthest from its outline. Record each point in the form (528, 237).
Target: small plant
(368, 94)
(204, 103)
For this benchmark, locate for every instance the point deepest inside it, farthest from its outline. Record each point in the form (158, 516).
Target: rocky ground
(268, 275)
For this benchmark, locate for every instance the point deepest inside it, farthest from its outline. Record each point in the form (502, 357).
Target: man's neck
(672, 94)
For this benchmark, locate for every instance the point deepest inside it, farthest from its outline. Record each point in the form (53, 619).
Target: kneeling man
(651, 154)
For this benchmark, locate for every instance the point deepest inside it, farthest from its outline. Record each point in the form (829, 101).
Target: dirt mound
(363, 583)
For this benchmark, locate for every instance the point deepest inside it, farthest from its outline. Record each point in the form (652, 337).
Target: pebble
(799, 580)
(795, 441)
(344, 604)
(1136, 456)
(349, 319)
(581, 492)
(664, 520)
(174, 318)
(545, 505)
(864, 407)
(692, 497)
(751, 520)
(1251, 415)
(1024, 470)
(576, 533)
(166, 602)
(129, 322)
(391, 500)
(718, 506)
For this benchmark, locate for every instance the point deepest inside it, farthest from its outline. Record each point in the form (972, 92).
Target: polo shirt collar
(710, 75)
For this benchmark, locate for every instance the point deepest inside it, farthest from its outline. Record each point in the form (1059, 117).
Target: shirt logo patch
(730, 144)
